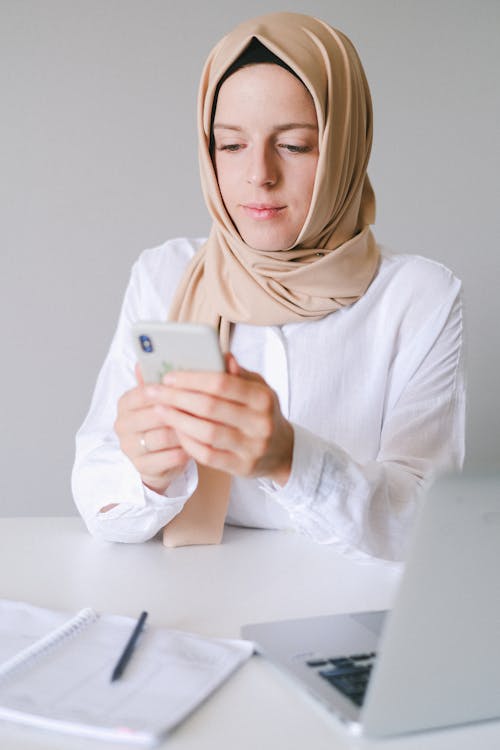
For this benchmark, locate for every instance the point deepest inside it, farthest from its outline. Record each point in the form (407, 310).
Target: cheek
(303, 182)
(309, 179)
(225, 179)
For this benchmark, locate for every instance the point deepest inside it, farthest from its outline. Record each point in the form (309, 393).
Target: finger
(205, 431)
(212, 409)
(235, 388)
(239, 463)
(158, 440)
(209, 456)
(159, 463)
(139, 421)
(135, 398)
(218, 436)
(140, 397)
(138, 374)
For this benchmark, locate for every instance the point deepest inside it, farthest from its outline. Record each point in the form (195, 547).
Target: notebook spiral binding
(47, 643)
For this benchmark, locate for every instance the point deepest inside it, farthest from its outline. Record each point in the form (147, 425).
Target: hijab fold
(335, 256)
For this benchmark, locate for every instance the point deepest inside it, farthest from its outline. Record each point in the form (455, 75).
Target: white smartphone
(162, 347)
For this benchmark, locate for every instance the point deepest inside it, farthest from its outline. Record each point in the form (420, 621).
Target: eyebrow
(280, 128)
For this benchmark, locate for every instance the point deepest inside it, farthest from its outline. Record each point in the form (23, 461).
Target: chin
(268, 241)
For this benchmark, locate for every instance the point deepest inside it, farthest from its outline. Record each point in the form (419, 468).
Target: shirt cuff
(142, 519)
(305, 475)
(180, 488)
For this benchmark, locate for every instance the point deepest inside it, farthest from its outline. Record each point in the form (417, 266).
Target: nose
(262, 168)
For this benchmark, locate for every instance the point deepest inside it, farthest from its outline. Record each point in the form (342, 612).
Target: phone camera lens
(146, 344)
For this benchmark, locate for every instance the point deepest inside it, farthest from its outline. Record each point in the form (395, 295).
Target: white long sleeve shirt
(374, 392)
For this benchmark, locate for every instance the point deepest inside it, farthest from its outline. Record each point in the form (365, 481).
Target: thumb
(233, 368)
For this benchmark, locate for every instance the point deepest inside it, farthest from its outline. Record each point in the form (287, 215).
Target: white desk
(252, 576)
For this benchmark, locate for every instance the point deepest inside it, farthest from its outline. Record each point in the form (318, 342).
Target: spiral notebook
(55, 673)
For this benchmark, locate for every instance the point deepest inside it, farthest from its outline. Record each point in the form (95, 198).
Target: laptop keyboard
(348, 674)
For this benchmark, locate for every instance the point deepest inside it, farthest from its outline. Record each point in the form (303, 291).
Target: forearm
(364, 508)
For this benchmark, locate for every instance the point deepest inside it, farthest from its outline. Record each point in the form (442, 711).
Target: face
(266, 153)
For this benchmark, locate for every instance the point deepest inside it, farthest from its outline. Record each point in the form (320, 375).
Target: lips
(262, 211)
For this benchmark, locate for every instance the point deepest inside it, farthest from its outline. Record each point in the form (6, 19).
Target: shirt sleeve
(369, 508)
(102, 474)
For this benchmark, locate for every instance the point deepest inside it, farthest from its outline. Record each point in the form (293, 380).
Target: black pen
(129, 647)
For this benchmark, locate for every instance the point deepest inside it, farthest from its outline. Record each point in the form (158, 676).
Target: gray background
(98, 161)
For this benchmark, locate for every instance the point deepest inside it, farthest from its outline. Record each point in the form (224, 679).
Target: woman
(344, 390)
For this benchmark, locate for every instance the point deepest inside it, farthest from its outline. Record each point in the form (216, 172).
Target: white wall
(98, 161)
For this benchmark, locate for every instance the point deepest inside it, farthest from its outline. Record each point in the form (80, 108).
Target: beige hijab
(335, 256)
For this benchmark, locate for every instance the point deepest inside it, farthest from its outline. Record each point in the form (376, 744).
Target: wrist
(281, 474)
(159, 486)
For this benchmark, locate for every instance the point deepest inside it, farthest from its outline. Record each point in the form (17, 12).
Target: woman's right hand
(152, 446)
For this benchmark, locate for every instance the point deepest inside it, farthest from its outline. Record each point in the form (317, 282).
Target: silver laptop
(434, 659)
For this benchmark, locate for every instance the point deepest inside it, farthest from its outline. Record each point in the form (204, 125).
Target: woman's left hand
(229, 421)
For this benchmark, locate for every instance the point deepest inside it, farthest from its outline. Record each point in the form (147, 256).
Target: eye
(229, 147)
(291, 148)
